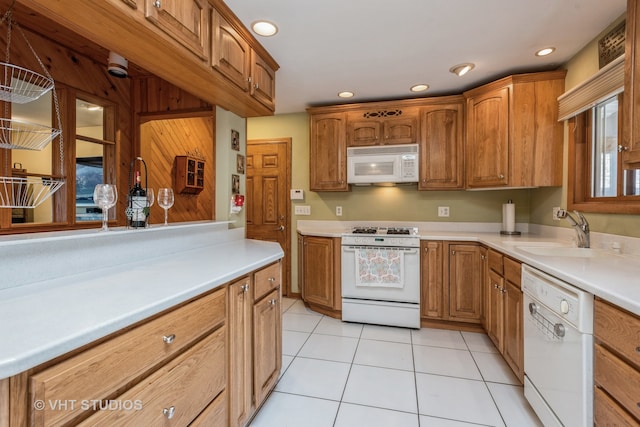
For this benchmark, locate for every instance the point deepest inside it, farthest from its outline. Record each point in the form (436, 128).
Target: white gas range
(381, 276)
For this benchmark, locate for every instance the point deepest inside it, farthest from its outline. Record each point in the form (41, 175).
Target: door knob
(281, 228)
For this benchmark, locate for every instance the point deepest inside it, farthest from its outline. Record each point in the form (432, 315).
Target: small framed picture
(240, 163)
(235, 140)
(235, 184)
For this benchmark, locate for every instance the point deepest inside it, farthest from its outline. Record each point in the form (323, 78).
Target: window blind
(607, 82)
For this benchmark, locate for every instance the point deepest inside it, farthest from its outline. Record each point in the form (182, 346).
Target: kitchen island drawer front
(266, 280)
(619, 379)
(176, 393)
(214, 415)
(513, 271)
(618, 330)
(606, 412)
(496, 261)
(101, 371)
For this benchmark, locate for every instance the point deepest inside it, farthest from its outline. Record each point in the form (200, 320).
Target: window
(598, 181)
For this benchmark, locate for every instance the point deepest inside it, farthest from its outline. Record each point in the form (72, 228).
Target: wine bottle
(138, 203)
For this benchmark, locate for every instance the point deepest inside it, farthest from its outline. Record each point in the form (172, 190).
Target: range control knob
(564, 306)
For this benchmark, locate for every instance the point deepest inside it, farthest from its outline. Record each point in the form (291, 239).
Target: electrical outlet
(338, 210)
(443, 210)
(557, 213)
(302, 210)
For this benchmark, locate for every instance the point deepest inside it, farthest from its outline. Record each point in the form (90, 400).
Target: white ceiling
(379, 48)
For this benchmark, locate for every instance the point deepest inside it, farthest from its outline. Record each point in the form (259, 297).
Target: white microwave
(382, 164)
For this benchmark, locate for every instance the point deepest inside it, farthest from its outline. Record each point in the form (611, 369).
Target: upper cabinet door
(488, 139)
(363, 133)
(400, 131)
(328, 152)
(230, 53)
(263, 81)
(186, 21)
(631, 117)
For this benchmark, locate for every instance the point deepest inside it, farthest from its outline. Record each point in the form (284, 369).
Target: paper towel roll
(509, 217)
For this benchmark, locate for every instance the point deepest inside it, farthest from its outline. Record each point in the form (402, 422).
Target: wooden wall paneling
(153, 95)
(163, 139)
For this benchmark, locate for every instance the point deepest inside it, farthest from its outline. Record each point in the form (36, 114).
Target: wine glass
(105, 196)
(150, 200)
(165, 201)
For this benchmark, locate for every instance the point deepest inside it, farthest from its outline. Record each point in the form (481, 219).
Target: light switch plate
(302, 210)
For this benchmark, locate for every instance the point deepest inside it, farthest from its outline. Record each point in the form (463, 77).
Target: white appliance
(382, 164)
(558, 350)
(381, 276)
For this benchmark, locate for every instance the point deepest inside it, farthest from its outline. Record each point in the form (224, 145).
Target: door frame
(286, 288)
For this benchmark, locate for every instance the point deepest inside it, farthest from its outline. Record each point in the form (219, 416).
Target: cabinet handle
(501, 176)
(271, 279)
(453, 252)
(272, 302)
(169, 412)
(157, 4)
(169, 338)
(245, 287)
(426, 249)
(256, 86)
(622, 148)
(482, 257)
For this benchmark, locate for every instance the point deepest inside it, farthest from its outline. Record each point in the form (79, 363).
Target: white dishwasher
(558, 350)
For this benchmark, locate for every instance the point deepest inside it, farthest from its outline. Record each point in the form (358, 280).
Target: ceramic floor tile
(299, 322)
(357, 415)
(329, 347)
(331, 326)
(494, 369)
(456, 399)
(299, 308)
(438, 338)
(287, 303)
(386, 333)
(286, 361)
(290, 410)
(442, 422)
(513, 406)
(479, 342)
(315, 378)
(384, 354)
(382, 388)
(445, 361)
(292, 341)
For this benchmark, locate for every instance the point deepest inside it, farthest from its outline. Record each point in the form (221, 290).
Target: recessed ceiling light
(546, 51)
(264, 28)
(462, 69)
(419, 88)
(345, 94)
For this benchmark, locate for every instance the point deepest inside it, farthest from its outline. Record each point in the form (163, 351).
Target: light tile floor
(337, 374)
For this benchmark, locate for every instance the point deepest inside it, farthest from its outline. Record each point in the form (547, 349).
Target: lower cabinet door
(175, 394)
(267, 345)
(514, 330)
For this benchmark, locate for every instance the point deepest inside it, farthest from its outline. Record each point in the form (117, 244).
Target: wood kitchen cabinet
(616, 366)
(319, 264)
(631, 99)
(186, 21)
(441, 144)
(513, 137)
(382, 124)
(328, 152)
(431, 279)
(189, 174)
(504, 317)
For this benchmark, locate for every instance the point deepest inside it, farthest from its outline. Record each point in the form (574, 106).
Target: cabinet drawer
(495, 261)
(266, 280)
(215, 415)
(101, 371)
(176, 393)
(606, 412)
(619, 330)
(619, 379)
(513, 271)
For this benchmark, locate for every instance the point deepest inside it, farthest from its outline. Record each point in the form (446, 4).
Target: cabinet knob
(157, 4)
(245, 287)
(622, 148)
(482, 257)
(169, 412)
(256, 86)
(273, 301)
(453, 252)
(169, 338)
(426, 249)
(501, 176)
(271, 279)
(638, 349)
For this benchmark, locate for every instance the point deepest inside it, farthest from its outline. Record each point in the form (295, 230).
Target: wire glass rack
(27, 192)
(20, 85)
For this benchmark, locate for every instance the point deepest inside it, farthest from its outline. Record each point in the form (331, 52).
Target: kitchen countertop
(46, 319)
(613, 277)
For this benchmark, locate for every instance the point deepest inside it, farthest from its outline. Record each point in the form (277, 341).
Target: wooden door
(186, 21)
(318, 272)
(240, 350)
(464, 283)
(268, 167)
(266, 345)
(514, 330)
(488, 139)
(431, 280)
(328, 153)
(441, 147)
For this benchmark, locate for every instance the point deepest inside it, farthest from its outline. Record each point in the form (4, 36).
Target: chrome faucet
(581, 227)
